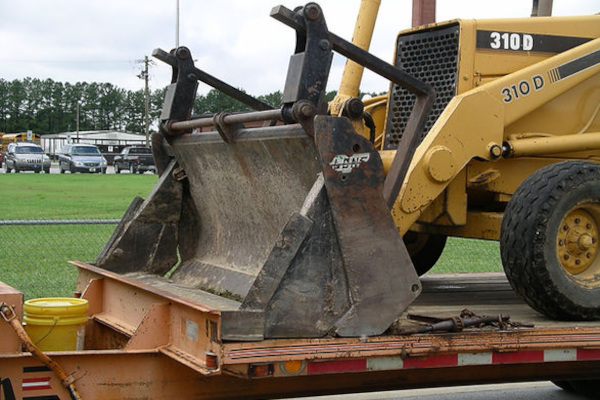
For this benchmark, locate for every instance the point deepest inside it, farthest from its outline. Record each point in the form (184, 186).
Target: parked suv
(77, 157)
(22, 156)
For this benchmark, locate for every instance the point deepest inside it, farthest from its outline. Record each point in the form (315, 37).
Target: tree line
(46, 106)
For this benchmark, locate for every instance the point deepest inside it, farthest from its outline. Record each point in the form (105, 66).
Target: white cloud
(235, 40)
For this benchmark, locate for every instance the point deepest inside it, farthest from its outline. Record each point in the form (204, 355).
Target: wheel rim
(577, 241)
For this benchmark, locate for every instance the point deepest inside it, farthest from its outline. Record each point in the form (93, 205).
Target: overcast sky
(235, 40)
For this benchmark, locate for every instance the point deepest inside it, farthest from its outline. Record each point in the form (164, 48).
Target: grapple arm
(289, 220)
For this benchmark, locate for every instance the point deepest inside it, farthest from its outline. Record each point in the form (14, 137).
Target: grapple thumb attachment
(289, 220)
(296, 230)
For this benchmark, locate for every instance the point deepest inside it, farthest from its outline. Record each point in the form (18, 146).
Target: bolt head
(183, 53)
(307, 111)
(312, 11)
(495, 151)
(325, 45)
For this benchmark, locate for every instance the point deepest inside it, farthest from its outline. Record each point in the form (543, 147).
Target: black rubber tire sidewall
(425, 256)
(528, 239)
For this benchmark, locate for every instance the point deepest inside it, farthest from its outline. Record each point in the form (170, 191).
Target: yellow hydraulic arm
(363, 32)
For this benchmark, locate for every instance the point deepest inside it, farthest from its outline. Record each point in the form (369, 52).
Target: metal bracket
(179, 174)
(228, 132)
(309, 66)
(3, 311)
(180, 95)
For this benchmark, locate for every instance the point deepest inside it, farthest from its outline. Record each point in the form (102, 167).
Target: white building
(109, 142)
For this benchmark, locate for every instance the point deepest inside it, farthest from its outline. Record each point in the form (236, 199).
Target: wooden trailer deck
(446, 295)
(443, 296)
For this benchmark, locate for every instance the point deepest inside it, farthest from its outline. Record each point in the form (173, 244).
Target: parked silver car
(23, 156)
(78, 157)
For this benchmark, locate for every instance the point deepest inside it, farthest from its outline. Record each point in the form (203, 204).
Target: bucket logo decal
(345, 164)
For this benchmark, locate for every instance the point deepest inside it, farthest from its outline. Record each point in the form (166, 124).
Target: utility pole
(146, 76)
(177, 24)
(146, 99)
(77, 121)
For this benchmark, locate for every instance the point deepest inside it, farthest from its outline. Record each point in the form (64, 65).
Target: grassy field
(54, 196)
(34, 258)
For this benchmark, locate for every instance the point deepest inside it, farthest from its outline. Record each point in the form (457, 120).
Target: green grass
(467, 256)
(77, 196)
(34, 258)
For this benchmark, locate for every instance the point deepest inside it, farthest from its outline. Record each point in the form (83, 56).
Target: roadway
(512, 391)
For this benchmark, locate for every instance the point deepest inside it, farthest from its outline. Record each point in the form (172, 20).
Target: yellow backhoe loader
(299, 218)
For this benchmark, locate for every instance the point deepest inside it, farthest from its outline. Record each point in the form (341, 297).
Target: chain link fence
(34, 255)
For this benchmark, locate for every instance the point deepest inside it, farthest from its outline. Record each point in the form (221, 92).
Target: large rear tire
(549, 240)
(424, 249)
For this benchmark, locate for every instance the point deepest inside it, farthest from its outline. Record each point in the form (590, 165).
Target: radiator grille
(431, 56)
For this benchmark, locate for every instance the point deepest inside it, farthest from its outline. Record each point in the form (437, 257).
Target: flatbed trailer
(294, 276)
(148, 338)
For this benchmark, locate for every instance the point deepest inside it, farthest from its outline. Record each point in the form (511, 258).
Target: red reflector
(210, 360)
(518, 357)
(588, 354)
(448, 360)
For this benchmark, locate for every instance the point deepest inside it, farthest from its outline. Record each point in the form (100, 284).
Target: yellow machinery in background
(516, 115)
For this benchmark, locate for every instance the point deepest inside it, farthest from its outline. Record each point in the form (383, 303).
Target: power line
(79, 61)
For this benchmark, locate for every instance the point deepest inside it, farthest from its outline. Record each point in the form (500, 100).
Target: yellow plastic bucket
(56, 323)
